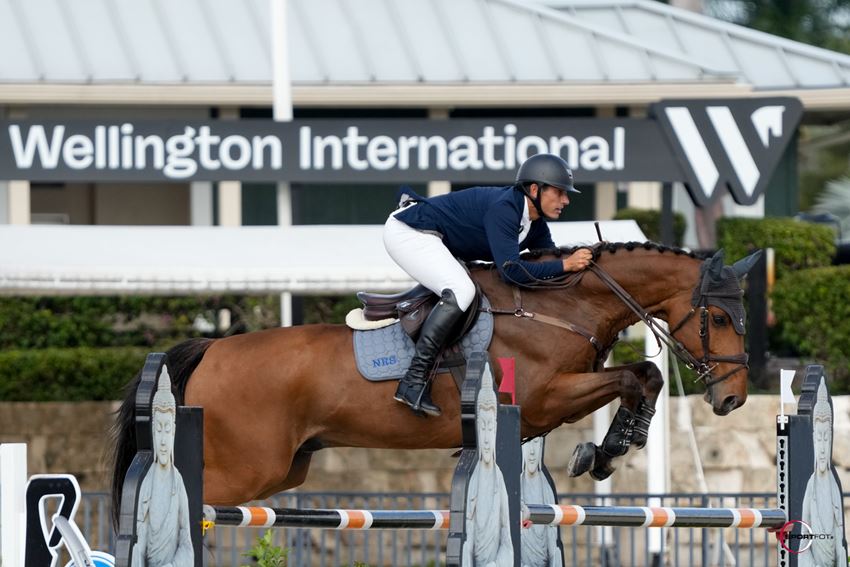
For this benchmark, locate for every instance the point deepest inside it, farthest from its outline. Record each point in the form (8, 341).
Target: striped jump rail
(334, 519)
(651, 517)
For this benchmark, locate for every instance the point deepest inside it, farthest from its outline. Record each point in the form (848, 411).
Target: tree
(823, 23)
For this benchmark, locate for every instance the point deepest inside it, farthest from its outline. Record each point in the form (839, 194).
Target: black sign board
(706, 144)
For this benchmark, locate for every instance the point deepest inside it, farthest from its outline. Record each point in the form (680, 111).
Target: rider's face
(552, 201)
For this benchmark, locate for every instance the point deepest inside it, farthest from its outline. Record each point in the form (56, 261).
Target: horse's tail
(182, 361)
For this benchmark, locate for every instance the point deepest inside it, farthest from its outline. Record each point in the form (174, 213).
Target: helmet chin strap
(535, 200)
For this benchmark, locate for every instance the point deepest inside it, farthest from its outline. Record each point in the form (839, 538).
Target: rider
(480, 223)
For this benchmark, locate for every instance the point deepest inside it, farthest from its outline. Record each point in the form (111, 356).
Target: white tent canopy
(108, 260)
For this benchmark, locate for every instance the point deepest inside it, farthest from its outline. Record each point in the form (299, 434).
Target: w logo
(733, 143)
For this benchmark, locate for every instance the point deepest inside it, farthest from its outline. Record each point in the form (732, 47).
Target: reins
(701, 366)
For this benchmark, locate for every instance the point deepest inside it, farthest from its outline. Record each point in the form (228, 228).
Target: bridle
(702, 366)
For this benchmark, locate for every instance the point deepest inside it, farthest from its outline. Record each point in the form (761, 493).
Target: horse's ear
(744, 265)
(715, 265)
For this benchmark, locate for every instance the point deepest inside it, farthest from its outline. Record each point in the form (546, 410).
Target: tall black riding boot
(414, 389)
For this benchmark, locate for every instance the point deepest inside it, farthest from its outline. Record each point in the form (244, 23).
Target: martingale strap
(520, 312)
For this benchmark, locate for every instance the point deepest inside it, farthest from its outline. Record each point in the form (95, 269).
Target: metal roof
(763, 60)
(331, 42)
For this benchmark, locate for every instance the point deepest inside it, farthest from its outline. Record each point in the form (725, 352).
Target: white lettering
(464, 153)
(332, 142)
(180, 147)
(620, 147)
(489, 141)
(113, 148)
(205, 142)
(526, 142)
(425, 145)
(156, 144)
(126, 146)
(353, 140)
(557, 144)
(381, 153)
(405, 144)
(100, 147)
(275, 147)
(304, 147)
(595, 154)
(244, 152)
(48, 155)
(510, 146)
(77, 151)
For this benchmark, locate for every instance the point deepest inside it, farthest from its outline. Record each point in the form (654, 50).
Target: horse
(273, 397)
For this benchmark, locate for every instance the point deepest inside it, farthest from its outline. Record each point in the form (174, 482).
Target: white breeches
(426, 259)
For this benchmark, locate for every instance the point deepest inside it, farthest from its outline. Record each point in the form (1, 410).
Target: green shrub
(64, 322)
(797, 245)
(813, 314)
(650, 223)
(68, 374)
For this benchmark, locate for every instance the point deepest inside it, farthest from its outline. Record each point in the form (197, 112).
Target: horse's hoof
(582, 460)
(602, 472)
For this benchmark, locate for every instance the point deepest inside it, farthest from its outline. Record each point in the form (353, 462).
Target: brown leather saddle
(411, 308)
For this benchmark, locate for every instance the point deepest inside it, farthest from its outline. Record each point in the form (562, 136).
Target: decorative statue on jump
(272, 398)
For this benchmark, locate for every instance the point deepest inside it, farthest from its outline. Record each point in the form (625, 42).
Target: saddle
(411, 308)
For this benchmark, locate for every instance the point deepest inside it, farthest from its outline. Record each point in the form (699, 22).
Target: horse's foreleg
(630, 425)
(652, 381)
(617, 382)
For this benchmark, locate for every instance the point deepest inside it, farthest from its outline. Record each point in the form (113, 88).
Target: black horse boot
(414, 389)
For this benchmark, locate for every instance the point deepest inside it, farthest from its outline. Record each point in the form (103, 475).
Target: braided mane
(611, 247)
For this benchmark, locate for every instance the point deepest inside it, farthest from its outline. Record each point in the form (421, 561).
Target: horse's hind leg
(297, 474)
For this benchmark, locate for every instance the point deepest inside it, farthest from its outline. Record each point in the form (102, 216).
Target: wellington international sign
(707, 144)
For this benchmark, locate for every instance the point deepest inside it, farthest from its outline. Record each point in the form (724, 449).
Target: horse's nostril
(730, 403)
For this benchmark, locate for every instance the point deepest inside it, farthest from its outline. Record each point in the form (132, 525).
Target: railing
(583, 545)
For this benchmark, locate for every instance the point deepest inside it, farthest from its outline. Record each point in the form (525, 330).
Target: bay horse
(271, 398)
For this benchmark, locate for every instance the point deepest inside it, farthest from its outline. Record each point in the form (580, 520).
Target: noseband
(702, 366)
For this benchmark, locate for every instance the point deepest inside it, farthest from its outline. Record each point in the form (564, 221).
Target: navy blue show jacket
(484, 223)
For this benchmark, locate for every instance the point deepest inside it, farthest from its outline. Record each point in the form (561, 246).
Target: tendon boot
(642, 421)
(414, 389)
(619, 436)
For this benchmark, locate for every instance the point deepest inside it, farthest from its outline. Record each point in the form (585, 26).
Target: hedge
(649, 222)
(797, 245)
(68, 374)
(812, 309)
(65, 322)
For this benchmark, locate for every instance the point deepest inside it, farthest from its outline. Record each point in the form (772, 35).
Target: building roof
(332, 42)
(396, 53)
(190, 259)
(763, 60)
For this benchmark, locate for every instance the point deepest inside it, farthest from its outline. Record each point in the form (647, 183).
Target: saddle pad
(385, 354)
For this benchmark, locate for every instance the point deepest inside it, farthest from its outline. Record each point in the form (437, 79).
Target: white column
(229, 192)
(605, 200)
(4, 202)
(602, 489)
(19, 202)
(201, 203)
(282, 109)
(658, 442)
(438, 187)
(229, 203)
(13, 482)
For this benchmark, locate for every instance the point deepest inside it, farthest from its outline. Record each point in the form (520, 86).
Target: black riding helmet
(544, 169)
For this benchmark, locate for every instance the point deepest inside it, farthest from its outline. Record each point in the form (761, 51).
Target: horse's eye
(719, 320)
